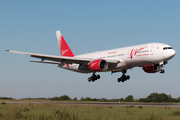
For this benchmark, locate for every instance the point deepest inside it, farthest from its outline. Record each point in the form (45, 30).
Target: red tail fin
(63, 46)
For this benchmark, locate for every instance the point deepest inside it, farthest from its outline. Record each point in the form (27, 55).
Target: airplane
(151, 57)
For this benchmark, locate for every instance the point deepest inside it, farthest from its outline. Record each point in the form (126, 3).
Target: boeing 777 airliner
(151, 57)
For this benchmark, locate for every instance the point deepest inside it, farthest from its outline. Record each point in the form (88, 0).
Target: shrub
(65, 115)
(26, 110)
(131, 106)
(110, 107)
(176, 113)
(140, 106)
(19, 115)
(3, 103)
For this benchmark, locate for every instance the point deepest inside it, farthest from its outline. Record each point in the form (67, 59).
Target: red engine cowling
(151, 68)
(98, 65)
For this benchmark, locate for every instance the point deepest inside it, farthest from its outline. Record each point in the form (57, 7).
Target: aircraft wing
(62, 59)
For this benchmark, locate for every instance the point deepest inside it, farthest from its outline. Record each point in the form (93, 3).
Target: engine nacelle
(151, 68)
(98, 65)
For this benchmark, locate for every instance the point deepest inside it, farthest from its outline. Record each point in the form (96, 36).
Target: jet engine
(98, 65)
(151, 68)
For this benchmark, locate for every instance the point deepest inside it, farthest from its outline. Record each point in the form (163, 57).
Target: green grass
(86, 112)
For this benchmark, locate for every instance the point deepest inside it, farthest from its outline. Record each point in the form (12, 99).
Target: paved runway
(108, 104)
(128, 104)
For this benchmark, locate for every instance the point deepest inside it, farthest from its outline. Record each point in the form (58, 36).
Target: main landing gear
(123, 77)
(162, 71)
(94, 77)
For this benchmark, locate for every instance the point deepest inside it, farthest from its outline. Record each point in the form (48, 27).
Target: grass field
(86, 112)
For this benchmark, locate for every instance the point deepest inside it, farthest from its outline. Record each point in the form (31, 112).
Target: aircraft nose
(172, 53)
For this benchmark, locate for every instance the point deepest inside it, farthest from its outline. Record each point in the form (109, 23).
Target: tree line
(153, 97)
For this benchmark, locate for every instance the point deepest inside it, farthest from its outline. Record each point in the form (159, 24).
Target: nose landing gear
(162, 71)
(93, 78)
(161, 65)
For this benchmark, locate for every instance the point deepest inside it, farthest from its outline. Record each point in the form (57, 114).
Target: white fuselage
(129, 57)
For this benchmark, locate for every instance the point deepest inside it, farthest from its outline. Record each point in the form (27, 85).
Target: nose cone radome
(171, 54)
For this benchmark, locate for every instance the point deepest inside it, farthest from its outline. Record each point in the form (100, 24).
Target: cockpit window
(165, 48)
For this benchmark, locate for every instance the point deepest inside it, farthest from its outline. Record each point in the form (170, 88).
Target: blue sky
(87, 26)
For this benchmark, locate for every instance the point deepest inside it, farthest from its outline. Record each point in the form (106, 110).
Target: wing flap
(44, 62)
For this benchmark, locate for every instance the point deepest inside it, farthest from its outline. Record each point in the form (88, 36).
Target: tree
(94, 99)
(155, 97)
(88, 99)
(103, 100)
(82, 99)
(122, 99)
(163, 98)
(178, 99)
(64, 97)
(142, 100)
(129, 98)
(75, 99)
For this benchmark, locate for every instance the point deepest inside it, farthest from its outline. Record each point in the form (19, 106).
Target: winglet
(63, 46)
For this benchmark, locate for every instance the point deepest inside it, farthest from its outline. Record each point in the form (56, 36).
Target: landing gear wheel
(89, 79)
(123, 77)
(93, 78)
(119, 79)
(98, 76)
(128, 77)
(162, 71)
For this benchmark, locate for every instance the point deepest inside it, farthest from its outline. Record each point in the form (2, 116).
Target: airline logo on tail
(64, 51)
(63, 46)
